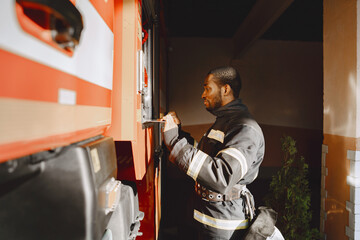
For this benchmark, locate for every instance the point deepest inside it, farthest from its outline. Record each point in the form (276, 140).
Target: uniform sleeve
(241, 153)
(189, 138)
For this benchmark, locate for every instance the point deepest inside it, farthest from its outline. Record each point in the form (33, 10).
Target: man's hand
(170, 122)
(171, 131)
(175, 117)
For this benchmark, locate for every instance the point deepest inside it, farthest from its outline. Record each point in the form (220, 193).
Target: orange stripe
(22, 148)
(25, 79)
(106, 10)
(117, 98)
(138, 24)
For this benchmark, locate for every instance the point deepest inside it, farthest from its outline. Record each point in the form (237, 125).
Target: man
(226, 159)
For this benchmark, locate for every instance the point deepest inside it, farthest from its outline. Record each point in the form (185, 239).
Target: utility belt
(208, 195)
(238, 191)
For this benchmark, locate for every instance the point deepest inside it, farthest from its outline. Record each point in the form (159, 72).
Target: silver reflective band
(196, 164)
(217, 135)
(238, 156)
(221, 223)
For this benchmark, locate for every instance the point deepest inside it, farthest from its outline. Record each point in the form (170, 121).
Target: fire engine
(81, 92)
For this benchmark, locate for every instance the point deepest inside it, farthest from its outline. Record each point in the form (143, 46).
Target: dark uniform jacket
(228, 155)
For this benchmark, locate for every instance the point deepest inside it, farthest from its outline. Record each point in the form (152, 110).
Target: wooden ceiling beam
(263, 14)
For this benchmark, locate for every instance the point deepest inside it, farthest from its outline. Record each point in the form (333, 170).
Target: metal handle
(65, 20)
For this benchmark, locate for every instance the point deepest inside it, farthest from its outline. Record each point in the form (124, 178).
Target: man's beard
(215, 104)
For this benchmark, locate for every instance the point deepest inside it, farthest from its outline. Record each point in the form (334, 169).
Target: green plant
(290, 195)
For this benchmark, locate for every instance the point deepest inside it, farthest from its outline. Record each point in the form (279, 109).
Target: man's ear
(226, 89)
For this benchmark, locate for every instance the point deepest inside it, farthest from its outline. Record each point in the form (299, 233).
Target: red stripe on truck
(25, 79)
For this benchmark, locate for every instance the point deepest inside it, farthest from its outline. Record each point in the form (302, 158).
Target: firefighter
(226, 159)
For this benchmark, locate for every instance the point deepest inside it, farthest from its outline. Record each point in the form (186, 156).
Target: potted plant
(289, 195)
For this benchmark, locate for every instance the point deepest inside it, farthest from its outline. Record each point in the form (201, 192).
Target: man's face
(212, 93)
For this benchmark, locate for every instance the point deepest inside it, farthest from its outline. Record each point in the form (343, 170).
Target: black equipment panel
(55, 194)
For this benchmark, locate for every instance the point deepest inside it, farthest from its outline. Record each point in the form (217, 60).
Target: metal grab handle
(65, 21)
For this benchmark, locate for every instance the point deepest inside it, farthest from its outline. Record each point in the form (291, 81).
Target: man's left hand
(171, 131)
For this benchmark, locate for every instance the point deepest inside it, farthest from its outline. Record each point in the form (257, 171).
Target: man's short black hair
(228, 75)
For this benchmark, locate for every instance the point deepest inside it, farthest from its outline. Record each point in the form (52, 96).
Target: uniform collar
(231, 107)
